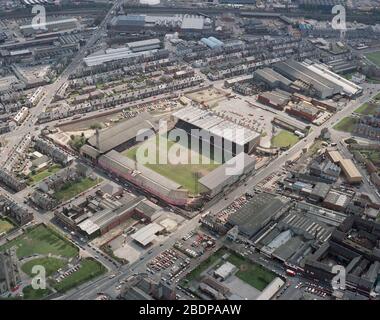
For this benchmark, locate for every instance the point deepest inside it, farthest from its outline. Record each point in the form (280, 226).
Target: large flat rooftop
(215, 125)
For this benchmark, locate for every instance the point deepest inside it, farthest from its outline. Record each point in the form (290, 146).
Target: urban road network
(115, 271)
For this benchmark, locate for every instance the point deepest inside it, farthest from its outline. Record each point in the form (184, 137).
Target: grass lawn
(5, 225)
(374, 57)
(284, 139)
(317, 145)
(204, 265)
(71, 189)
(37, 177)
(346, 124)
(89, 269)
(51, 265)
(367, 108)
(41, 240)
(32, 294)
(373, 155)
(187, 175)
(253, 274)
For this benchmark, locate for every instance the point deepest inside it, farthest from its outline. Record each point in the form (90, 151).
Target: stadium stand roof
(216, 125)
(220, 175)
(121, 133)
(129, 164)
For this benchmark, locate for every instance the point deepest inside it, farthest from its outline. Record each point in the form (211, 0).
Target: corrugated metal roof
(147, 234)
(220, 175)
(120, 133)
(216, 125)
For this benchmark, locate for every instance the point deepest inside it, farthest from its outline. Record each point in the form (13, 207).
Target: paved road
(105, 284)
(281, 160)
(49, 91)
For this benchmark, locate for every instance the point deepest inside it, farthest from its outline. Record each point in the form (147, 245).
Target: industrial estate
(190, 150)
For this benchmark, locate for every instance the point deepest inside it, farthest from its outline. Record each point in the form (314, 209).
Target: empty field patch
(284, 139)
(41, 240)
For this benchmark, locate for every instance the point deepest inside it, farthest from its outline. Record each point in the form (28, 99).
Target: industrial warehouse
(131, 50)
(313, 79)
(355, 245)
(104, 209)
(190, 150)
(184, 23)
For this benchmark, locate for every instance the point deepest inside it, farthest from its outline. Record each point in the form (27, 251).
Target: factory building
(312, 83)
(147, 234)
(336, 200)
(277, 99)
(355, 244)
(238, 80)
(304, 110)
(142, 51)
(348, 167)
(50, 26)
(348, 88)
(351, 172)
(212, 42)
(102, 211)
(182, 23)
(326, 170)
(297, 233)
(272, 78)
(144, 45)
(316, 80)
(215, 131)
(258, 213)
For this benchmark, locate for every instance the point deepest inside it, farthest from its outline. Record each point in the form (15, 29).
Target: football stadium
(171, 162)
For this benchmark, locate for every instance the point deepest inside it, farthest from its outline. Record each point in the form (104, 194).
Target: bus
(290, 272)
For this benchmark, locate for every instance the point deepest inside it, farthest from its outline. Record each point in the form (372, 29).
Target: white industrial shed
(147, 234)
(271, 289)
